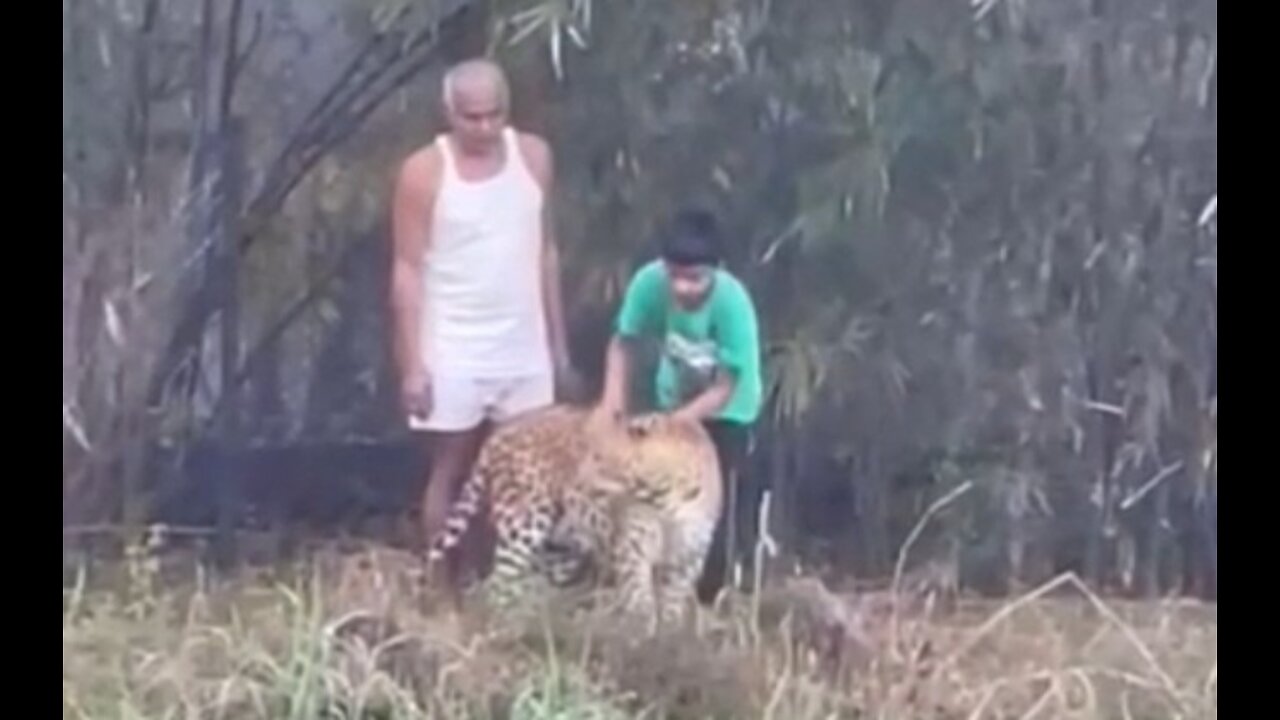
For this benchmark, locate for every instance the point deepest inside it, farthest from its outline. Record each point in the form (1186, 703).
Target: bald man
(479, 328)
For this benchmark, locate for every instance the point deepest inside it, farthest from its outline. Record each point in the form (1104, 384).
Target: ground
(350, 634)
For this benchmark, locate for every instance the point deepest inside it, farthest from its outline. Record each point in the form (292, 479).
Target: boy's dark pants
(739, 524)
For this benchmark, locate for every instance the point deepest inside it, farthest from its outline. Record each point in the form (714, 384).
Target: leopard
(636, 499)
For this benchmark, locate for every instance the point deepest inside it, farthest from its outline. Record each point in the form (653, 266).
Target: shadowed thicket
(982, 238)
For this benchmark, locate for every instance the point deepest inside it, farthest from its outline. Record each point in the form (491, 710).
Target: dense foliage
(982, 237)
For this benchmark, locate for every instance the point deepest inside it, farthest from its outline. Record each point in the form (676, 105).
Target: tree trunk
(138, 119)
(785, 491)
(230, 154)
(1105, 526)
(1209, 541)
(873, 506)
(1156, 542)
(1101, 378)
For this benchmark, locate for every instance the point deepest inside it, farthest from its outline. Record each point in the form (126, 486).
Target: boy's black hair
(691, 237)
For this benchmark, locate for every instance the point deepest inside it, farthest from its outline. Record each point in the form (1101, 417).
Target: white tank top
(484, 311)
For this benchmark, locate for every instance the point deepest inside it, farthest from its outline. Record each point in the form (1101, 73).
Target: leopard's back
(528, 462)
(563, 492)
(671, 466)
(514, 473)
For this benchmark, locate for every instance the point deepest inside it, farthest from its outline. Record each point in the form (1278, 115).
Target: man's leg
(454, 433)
(501, 400)
(731, 441)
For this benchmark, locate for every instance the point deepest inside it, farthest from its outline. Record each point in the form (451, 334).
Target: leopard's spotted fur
(639, 501)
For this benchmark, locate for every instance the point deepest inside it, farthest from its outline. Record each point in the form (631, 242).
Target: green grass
(352, 636)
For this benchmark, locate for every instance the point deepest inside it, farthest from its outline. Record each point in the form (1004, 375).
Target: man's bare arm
(411, 222)
(540, 159)
(553, 297)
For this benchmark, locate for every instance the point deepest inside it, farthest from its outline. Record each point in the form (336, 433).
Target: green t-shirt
(721, 334)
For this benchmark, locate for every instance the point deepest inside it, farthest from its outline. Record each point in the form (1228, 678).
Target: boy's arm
(640, 314)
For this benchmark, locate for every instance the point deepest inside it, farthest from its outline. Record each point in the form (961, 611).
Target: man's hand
(415, 396)
(412, 210)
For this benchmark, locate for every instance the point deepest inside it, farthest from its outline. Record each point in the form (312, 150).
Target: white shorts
(461, 403)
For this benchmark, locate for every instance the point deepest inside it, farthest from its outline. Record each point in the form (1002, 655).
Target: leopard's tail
(469, 502)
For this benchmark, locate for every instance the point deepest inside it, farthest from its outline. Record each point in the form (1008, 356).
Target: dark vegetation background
(981, 235)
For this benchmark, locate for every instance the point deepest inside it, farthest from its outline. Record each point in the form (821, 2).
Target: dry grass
(351, 636)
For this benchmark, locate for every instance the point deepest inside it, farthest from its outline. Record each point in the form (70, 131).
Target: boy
(709, 369)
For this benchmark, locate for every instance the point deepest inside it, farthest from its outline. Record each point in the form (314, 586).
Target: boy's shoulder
(731, 287)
